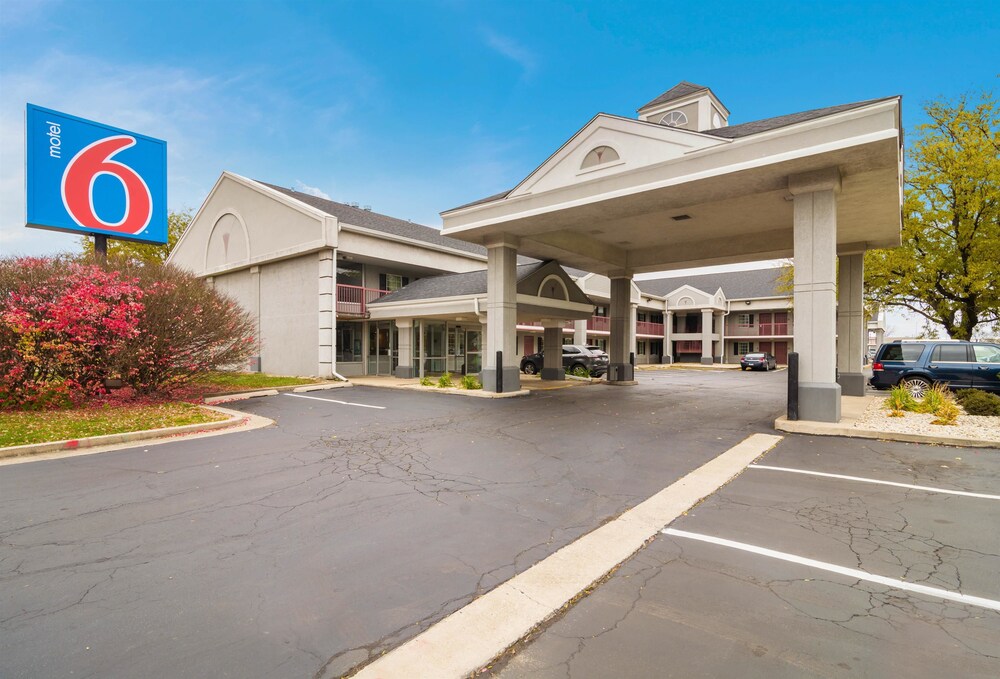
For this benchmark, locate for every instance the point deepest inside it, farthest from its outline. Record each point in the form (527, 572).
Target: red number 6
(78, 187)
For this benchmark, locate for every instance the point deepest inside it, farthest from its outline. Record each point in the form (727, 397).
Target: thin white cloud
(511, 49)
(311, 190)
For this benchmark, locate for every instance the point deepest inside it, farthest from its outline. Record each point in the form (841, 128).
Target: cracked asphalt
(305, 549)
(684, 608)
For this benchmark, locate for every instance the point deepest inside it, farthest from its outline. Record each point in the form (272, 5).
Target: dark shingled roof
(734, 284)
(757, 126)
(379, 222)
(451, 285)
(678, 91)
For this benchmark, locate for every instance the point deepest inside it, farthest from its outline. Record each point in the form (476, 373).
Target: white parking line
(343, 403)
(850, 572)
(876, 481)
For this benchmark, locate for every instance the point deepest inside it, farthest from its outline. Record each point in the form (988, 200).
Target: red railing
(762, 330)
(599, 323)
(688, 346)
(649, 328)
(353, 300)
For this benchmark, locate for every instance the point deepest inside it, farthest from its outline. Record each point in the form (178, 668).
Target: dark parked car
(759, 361)
(590, 358)
(919, 364)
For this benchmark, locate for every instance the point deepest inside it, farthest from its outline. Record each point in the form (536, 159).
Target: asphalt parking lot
(366, 515)
(693, 605)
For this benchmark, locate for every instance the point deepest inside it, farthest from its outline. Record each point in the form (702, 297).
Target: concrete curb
(124, 437)
(474, 635)
(834, 429)
(296, 388)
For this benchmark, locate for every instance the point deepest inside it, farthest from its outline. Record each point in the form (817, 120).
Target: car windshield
(755, 355)
(596, 350)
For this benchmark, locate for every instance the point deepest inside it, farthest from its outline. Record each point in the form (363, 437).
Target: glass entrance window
(435, 348)
(382, 352)
(349, 336)
(473, 352)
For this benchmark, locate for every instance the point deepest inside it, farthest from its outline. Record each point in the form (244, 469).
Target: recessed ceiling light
(681, 218)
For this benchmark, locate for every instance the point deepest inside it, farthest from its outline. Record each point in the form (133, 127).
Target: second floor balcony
(353, 300)
(773, 329)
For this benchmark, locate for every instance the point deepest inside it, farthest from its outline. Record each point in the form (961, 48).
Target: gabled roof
(378, 222)
(735, 284)
(678, 91)
(452, 285)
(757, 126)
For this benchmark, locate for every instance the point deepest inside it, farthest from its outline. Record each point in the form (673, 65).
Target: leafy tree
(177, 223)
(948, 266)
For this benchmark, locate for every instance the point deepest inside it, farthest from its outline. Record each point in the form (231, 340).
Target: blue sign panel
(85, 177)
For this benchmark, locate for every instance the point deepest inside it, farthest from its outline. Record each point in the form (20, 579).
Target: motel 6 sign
(85, 177)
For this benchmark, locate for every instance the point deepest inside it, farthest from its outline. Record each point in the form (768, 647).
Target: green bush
(426, 381)
(444, 382)
(898, 401)
(934, 399)
(980, 403)
(470, 382)
(578, 372)
(947, 413)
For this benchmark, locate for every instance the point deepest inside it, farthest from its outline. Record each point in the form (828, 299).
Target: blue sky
(416, 107)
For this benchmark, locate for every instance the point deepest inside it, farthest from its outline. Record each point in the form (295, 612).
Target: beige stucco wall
(289, 316)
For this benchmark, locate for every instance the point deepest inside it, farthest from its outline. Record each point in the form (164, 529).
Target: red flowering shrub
(66, 327)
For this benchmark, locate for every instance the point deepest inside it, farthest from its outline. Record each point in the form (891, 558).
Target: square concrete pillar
(501, 315)
(706, 337)
(579, 332)
(404, 346)
(620, 370)
(815, 252)
(553, 367)
(668, 334)
(852, 332)
(327, 319)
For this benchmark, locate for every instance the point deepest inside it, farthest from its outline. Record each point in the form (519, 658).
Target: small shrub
(580, 372)
(899, 400)
(444, 382)
(470, 382)
(979, 403)
(947, 413)
(426, 381)
(933, 399)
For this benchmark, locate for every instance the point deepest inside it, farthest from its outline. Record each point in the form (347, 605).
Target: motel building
(339, 289)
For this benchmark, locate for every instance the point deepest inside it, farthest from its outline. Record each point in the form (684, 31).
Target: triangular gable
(550, 280)
(243, 222)
(687, 295)
(636, 143)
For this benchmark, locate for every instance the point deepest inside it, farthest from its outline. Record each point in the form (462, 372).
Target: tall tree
(177, 223)
(948, 267)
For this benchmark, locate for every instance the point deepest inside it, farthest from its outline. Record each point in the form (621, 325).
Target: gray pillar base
(707, 360)
(668, 359)
(405, 372)
(819, 401)
(717, 359)
(511, 379)
(852, 384)
(550, 374)
(621, 372)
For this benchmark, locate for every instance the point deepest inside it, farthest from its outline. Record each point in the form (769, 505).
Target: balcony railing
(599, 323)
(761, 330)
(353, 300)
(649, 328)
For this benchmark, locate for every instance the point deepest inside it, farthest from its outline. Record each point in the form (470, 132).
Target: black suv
(919, 364)
(590, 358)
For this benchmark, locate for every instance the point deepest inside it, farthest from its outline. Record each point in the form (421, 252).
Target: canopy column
(553, 367)
(501, 314)
(404, 341)
(852, 334)
(706, 337)
(668, 341)
(579, 332)
(815, 249)
(620, 370)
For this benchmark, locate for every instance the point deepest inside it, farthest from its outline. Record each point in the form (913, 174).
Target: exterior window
(391, 281)
(349, 273)
(743, 348)
(744, 320)
(601, 311)
(599, 156)
(349, 342)
(674, 119)
(640, 347)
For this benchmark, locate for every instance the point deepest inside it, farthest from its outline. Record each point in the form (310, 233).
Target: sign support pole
(101, 248)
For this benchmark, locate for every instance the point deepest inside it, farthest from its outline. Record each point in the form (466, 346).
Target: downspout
(722, 330)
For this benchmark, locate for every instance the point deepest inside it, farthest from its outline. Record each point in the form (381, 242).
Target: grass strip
(233, 381)
(20, 428)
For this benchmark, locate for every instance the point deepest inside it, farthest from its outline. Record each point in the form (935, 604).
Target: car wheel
(766, 367)
(578, 366)
(530, 368)
(743, 367)
(917, 386)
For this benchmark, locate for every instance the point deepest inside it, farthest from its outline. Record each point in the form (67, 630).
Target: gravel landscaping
(968, 426)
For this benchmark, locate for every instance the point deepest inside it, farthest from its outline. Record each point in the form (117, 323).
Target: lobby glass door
(382, 351)
(473, 352)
